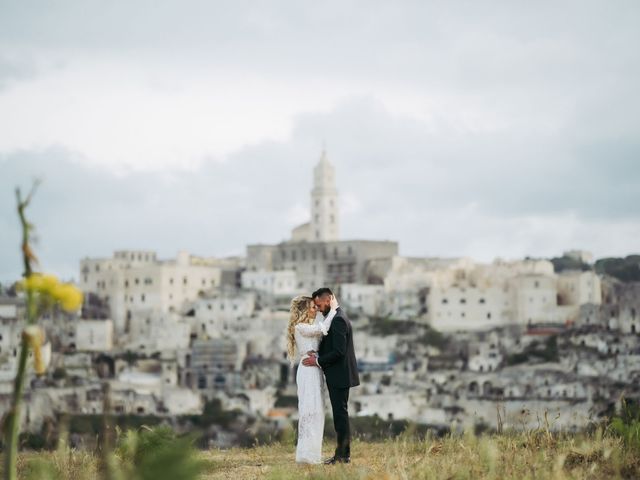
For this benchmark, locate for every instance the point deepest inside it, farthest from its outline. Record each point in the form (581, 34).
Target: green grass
(533, 455)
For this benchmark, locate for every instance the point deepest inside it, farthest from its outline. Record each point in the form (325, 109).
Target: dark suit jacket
(336, 355)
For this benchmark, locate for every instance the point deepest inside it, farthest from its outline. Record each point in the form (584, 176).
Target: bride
(303, 336)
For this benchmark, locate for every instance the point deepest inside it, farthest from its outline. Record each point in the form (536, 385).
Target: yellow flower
(70, 297)
(32, 283)
(49, 283)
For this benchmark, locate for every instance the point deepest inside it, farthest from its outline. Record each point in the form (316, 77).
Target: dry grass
(521, 456)
(534, 455)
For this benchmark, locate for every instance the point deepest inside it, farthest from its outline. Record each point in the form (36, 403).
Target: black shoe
(334, 460)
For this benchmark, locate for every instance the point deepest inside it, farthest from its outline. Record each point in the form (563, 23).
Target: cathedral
(315, 254)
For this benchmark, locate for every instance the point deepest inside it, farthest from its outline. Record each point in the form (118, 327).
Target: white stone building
(94, 335)
(579, 288)
(223, 313)
(151, 332)
(477, 297)
(314, 251)
(134, 281)
(275, 283)
(366, 299)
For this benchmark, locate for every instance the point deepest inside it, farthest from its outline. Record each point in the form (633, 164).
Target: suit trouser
(339, 399)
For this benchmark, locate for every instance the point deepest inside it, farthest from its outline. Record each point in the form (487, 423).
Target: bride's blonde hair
(299, 313)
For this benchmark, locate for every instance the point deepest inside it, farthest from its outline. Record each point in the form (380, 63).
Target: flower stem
(12, 428)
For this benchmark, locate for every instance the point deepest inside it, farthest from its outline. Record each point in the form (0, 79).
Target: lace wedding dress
(310, 382)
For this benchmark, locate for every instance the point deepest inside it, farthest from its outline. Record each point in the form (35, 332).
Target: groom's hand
(310, 361)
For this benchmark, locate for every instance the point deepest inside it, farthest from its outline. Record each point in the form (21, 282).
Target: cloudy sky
(484, 129)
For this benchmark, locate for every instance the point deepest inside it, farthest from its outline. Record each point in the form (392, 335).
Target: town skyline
(299, 213)
(485, 131)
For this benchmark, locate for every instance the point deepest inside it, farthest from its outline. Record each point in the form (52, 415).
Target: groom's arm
(339, 339)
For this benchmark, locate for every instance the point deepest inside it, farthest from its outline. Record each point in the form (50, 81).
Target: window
(126, 283)
(184, 280)
(142, 297)
(463, 300)
(482, 300)
(137, 281)
(148, 281)
(488, 314)
(444, 300)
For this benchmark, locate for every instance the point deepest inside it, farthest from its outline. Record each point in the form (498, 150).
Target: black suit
(337, 358)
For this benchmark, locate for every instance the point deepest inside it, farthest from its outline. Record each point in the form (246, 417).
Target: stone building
(314, 252)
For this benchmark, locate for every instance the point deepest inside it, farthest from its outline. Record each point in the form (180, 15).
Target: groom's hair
(320, 292)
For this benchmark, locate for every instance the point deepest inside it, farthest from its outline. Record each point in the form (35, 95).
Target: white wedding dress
(310, 381)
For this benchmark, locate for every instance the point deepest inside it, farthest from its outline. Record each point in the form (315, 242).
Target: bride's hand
(334, 303)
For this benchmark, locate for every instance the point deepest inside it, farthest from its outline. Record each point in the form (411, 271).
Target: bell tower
(324, 202)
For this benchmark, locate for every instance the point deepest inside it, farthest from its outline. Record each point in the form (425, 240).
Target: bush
(625, 269)
(156, 454)
(433, 338)
(627, 425)
(285, 401)
(92, 424)
(213, 414)
(546, 353)
(383, 326)
(568, 263)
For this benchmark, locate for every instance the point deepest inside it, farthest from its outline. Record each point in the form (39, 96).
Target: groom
(336, 357)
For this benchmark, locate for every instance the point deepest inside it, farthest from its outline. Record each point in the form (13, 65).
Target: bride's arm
(308, 330)
(326, 323)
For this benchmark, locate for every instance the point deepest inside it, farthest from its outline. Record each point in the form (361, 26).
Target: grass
(533, 455)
